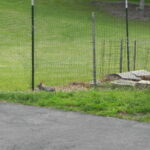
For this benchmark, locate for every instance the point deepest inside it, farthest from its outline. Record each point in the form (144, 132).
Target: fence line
(70, 48)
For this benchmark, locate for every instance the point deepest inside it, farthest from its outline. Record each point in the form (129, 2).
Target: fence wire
(63, 45)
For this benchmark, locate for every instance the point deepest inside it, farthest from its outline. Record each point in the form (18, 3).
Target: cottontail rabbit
(42, 87)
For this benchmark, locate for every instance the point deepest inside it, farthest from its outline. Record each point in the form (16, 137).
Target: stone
(124, 82)
(140, 73)
(143, 84)
(129, 76)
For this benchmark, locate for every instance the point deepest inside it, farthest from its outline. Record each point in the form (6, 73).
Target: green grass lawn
(129, 104)
(64, 54)
(63, 42)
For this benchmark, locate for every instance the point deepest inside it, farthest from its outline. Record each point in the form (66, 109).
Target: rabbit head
(41, 85)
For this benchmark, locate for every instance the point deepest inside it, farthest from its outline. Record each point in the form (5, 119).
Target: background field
(63, 42)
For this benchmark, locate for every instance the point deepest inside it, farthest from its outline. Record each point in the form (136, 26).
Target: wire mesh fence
(64, 45)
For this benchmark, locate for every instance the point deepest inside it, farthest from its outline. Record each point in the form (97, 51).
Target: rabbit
(42, 87)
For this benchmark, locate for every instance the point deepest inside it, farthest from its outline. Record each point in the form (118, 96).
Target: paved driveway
(33, 128)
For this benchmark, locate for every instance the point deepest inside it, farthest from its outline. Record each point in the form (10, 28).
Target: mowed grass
(121, 103)
(63, 47)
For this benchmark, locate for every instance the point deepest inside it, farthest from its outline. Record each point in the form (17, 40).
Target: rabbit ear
(42, 82)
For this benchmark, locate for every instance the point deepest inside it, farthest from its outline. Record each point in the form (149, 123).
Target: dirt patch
(70, 88)
(118, 9)
(74, 86)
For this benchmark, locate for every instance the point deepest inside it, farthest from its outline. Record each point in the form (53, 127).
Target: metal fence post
(33, 43)
(127, 35)
(135, 48)
(121, 53)
(94, 48)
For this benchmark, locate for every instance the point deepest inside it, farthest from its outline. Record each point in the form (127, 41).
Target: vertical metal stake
(127, 35)
(94, 48)
(121, 53)
(33, 46)
(135, 48)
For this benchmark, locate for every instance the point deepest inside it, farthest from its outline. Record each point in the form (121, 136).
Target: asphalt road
(33, 128)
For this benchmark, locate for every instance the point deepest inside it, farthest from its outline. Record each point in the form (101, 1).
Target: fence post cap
(126, 3)
(32, 2)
